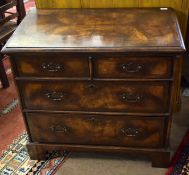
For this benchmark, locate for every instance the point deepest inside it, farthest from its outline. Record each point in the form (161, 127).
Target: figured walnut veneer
(98, 79)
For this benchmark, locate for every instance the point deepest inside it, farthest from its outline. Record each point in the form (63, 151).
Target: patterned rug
(180, 162)
(9, 107)
(16, 161)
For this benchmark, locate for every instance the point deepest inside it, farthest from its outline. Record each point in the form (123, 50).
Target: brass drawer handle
(56, 96)
(52, 67)
(60, 128)
(131, 67)
(131, 98)
(130, 132)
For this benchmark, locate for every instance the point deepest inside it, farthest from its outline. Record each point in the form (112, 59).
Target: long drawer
(144, 97)
(96, 130)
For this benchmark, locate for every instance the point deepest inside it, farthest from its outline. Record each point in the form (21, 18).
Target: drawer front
(133, 67)
(97, 96)
(96, 130)
(52, 65)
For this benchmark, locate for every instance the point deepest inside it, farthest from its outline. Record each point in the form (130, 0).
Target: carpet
(11, 120)
(11, 123)
(180, 162)
(16, 161)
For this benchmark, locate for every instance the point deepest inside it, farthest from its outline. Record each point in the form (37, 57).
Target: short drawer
(143, 97)
(96, 130)
(133, 67)
(52, 65)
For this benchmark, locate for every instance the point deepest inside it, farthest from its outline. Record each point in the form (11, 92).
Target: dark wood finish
(67, 65)
(7, 27)
(106, 82)
(96, 96)
(133, 67)
(7, 19)
(101, 130)
(159, 157)
(125, 30)
(21, 9)
(177, 83)
(3, 75)
(105, 66)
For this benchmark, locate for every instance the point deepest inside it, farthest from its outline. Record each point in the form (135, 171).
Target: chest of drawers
(102, 80)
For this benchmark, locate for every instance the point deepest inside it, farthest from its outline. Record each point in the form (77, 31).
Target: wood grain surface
(181, 6)
(102, 29)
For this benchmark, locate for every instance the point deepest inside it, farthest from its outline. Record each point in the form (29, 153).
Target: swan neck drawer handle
(52, 67)
(132, 98)
(130, 132)
(131, 67)
(60, 128)
(55, 96)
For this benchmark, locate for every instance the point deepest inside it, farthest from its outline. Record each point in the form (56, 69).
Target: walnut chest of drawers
(103, 80)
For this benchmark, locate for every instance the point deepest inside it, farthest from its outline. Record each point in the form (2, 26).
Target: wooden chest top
(126, 30)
